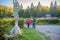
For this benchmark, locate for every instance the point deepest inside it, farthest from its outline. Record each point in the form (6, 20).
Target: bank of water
(53, 31)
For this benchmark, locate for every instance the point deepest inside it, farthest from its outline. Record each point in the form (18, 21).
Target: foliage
(6, 25)
(5, 11)
(27, 34)
(32, 11)
(2, 29)
(21, 23)
(45, 20)
(59, 21)
(11, 21)
(31, 34)
(48, 21)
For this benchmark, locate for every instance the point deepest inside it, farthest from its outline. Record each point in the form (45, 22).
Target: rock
(8, 37)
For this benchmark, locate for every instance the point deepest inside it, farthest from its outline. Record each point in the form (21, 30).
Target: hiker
(28, 22)
(34, 23)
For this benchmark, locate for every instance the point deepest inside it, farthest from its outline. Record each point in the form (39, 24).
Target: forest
(33, 11)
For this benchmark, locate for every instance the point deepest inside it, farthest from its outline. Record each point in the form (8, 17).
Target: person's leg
(33, 25)
(28, 25)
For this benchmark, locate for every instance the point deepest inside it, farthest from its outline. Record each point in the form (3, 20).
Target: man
(34, 22)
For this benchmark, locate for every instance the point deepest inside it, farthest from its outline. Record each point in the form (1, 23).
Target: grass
(31, 34)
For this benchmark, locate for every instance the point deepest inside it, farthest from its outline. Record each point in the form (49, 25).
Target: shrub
(21, 23)
(7, 24)
(48, 21)
(2, 32)
(53, 21)
(59, 21)
(4, 27)
(12, 22)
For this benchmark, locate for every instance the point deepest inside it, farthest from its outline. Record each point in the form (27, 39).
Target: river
(53, 31)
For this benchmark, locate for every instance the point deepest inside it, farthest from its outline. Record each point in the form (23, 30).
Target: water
(53, 31)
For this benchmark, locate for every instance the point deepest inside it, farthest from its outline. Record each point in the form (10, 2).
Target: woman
(28, 22)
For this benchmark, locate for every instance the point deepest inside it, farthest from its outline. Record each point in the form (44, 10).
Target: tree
(55, 9)
(39, 6)
(51, 8)
(5, 11)
(39, 10)
(58, 11)
(21, 11)
(27, 12)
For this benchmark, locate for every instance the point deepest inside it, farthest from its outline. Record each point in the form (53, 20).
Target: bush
(4, 29)
(53, 21)
(12, 22)
(21, 23)
(48, 21)
(2, 32)
(59, 21)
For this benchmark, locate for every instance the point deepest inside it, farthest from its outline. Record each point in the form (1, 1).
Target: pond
(53, 31)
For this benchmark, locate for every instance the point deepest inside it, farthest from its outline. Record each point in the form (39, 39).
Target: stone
(8, 37)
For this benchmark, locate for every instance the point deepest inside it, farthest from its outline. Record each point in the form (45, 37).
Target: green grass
(28, 34)
(31, 34)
